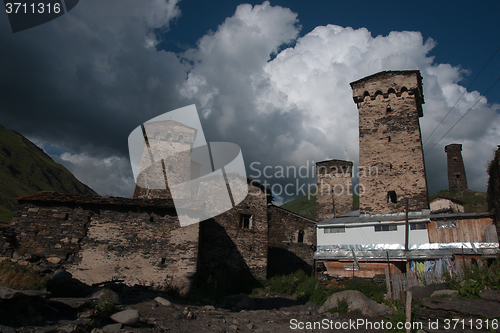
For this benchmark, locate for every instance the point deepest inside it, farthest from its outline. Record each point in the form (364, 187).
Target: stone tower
(457, 180)
(334, 195)
(391, 161)
(167, 154)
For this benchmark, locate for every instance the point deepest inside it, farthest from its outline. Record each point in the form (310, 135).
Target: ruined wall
(457, 179)
(390, 143)
(493, 194)
(102, 239)
(334, 181)
(292, 242)
(233, 247)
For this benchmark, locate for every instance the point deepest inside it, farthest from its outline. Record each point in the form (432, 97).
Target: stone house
(139, 240)
(292, 241)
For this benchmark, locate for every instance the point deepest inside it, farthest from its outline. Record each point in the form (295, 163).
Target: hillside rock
(356, 301)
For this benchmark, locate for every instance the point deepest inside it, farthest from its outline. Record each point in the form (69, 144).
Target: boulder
(8, 293)
(105, 292)
(162, 301)
(445, 293)
(61, 274)
(126, 317)
(490, 295)
(477, 307)
(356, 301)
(112, 328)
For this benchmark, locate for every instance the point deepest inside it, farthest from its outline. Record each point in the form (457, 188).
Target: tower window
(454, 158)
(389, 138)
(392, 197)
(300, 239)
(458, 176)
(388, 109)
(245, 221)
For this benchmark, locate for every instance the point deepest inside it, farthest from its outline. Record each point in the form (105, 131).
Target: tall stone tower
(391, 160)
(334, 196)
(166, 155)
(457, 180)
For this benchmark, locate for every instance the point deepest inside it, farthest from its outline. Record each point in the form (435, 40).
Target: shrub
(306, 287)
(342, 307)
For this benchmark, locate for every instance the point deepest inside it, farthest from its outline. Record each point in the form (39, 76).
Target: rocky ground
(156, 312)
(115, 307)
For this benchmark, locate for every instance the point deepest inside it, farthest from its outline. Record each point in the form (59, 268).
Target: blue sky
(272, 77)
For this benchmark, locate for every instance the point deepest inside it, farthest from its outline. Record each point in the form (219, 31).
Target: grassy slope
(474, 201)
(307, 206)
(25, 169)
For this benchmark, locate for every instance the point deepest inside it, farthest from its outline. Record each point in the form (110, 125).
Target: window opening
(301, 237)
(392, 197)
(246, 221)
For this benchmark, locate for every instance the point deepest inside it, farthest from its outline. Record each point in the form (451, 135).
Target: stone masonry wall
(104, 239)
(493, 194)
(390, 145)
(456, 170)
(234, 244)
(334, 196)
(292, 241)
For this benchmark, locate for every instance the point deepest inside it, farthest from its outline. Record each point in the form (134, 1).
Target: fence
(397, 282)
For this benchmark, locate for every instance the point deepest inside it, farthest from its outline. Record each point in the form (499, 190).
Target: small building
(364, 245)
(292, 242)
(445, 205)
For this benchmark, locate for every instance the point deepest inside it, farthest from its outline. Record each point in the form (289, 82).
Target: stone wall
(391, 162)
(334, 196)
(100, 239)
(493, 195)
(457, 179)
(233, 248)
(292, 242)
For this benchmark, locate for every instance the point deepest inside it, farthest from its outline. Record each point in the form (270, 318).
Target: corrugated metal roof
(412, 216)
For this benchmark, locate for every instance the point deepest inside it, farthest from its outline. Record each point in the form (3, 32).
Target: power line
(464, 115)
(462, 95)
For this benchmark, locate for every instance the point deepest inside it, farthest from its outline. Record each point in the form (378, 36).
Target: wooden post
(388, 283)
(408, 309)
(407, 227)
(388, 277)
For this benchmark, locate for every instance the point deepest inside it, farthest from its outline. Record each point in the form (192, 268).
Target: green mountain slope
(307, 206)
(25, 169)
(474, 201)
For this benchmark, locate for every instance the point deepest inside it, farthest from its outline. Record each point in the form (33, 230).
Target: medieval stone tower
(457, 180)
(391, 161)
(166, 155)
(334, 195)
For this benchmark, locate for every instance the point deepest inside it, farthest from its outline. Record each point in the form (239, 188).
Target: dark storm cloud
(85, 80)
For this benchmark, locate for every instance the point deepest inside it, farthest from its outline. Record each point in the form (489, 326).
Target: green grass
(475, 201)
(25, 169)
(306, 205)
(475, 279)
(307, 288)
